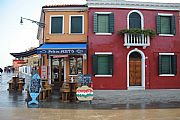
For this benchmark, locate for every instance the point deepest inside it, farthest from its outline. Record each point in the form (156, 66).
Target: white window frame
(168, 15)
(70, 16)
(62, 24)
(141, 15)
(169, 55)
(103, 53)
(104, 13)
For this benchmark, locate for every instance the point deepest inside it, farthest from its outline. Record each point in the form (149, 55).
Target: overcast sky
(18, 38)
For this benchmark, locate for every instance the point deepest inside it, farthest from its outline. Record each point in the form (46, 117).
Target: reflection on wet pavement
(14, 107)
(17, 99)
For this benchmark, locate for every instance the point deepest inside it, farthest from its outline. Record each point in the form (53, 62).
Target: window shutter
(174, 64)
(111, 64)
(111, 23)
(95, 23)
(95, 64)
(158, 24)
(173, 25)
(160, 65)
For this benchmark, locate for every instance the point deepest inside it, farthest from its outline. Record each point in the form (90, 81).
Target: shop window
(102, 64)
(76, 24)
(166, 24)
(76, 65)
(167, 64)
(56, 24)
(104, 22)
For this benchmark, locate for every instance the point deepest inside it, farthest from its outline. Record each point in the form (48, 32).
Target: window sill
(103, 33)
(166, 75)
(169, 35)
(103, 75)
(76, 33)
(56, 33)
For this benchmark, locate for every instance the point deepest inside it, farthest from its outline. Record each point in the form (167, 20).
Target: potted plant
(136, 31)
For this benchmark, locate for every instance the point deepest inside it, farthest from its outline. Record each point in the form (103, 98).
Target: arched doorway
(135, 70)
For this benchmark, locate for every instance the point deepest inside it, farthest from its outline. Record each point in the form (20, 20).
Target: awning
(24, 54)
(62, 49)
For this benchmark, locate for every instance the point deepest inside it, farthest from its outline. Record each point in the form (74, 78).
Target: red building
(135, 59)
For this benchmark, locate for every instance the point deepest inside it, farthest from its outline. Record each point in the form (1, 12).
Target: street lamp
(40, 24)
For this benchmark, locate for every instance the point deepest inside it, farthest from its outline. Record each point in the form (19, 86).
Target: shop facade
(130, 61)
(63, 43)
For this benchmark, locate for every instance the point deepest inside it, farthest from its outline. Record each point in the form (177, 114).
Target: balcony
(137, 37)
(136, 40)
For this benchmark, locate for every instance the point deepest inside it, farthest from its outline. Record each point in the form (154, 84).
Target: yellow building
(63, 42)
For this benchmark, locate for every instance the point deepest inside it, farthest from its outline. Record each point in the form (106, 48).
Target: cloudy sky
(18, 38)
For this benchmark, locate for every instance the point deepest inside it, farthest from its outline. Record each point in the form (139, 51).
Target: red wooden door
(135, 72)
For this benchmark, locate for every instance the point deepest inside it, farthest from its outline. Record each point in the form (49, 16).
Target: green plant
(149, 32)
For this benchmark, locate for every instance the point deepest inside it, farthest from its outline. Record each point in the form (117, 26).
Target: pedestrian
(1, 70)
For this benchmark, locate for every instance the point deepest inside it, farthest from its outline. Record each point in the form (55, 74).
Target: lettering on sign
(35, 86)
(84, 79)
(62, 51)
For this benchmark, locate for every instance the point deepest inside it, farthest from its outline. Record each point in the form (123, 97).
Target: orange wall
(66, 37)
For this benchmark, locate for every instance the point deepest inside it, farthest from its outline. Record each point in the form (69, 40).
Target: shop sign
(62, 51)
(84, 79)
(84, 93)
(34, 88)
(44, 72)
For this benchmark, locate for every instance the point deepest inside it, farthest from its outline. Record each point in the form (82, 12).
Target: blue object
(34, 88)
(62, 49)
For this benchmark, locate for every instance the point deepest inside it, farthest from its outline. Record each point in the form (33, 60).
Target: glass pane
(55, 69)
(166, 64)
(76, 24)
(79, 65)
(103, 23)
(134, 20)
(165, 25)
(103, 65)
(72, 65)
(76, 65)
(56, 24)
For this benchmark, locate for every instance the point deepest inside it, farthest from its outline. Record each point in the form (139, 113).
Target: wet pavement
(106, 105)
(103, 99)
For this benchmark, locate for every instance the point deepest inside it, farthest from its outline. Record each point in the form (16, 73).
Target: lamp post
(40, 24)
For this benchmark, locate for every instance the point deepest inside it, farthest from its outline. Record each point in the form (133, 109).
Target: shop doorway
(135, 69)
(57, 74)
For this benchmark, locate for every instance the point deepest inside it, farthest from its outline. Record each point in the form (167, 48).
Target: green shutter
(95, 23)
(165, 25)
(95, 64)
(173, 25)
(174, 64)
(111, 23)
(111, 64)
(158, 24)
(160, 64)
(103, 23)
